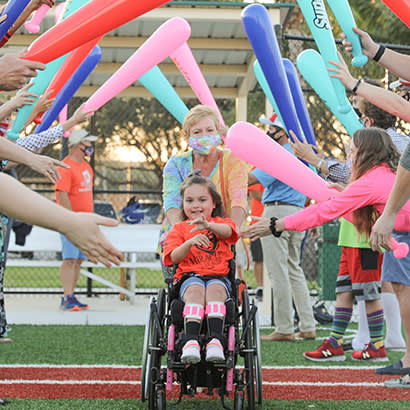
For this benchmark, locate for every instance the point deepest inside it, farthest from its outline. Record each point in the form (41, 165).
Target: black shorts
(256, 251)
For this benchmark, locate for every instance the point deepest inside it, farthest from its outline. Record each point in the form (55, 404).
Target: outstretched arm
(384, 99)
(398, 197)
(80, 228)
(397, 63)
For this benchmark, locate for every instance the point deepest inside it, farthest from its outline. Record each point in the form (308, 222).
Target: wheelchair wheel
(238, 401)
(151, 360)
(161, 400)
(258, 358)
(249, 355)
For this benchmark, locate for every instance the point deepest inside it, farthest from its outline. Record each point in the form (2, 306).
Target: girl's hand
(23, 97)
(44, 102)
(342, 73)
(200, 240)
(201, 223)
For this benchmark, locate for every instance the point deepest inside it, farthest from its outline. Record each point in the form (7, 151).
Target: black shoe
(347, 346)
(395, 368)
(3, 402)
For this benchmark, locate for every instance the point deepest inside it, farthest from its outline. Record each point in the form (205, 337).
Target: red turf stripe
(68, 373)
(269, 392)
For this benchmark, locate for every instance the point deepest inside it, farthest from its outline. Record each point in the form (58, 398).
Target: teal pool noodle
(343, 13)
(265, 87)
(318, 21)
(43, 79)
(311, 65)
(158, 85)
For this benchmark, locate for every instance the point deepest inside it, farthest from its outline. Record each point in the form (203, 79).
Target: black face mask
(357, 111)
(272, 135)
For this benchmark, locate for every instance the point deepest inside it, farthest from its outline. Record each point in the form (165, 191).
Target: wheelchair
(162, 369)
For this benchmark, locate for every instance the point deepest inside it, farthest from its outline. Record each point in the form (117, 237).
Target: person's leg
(216, 295)
(362, 337)
(394, 335)
(257, 258)
(66, 275)
(300, 291)
(331, 349)
(193, 294)
(275, 251)
(366, 285)
(403, 295)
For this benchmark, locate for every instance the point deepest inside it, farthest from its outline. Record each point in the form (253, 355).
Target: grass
(122, 345)
(133, 404)
(42, 277)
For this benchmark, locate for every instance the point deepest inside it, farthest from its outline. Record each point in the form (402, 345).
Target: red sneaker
(326, 353)
(371, 354)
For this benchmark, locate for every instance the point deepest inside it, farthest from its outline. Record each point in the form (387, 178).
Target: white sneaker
(191, 352)
(214, 351)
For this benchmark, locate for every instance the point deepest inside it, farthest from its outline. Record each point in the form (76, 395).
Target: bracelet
(273, 227)
(379, 53)
(320, 164)
(354, 89)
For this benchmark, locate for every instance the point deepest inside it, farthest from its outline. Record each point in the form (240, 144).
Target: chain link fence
(136, 137)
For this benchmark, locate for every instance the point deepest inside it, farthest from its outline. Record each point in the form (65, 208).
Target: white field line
(124, 382)
(115, 366)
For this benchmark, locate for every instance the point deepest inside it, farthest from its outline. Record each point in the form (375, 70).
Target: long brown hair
(195, 178)
(374, 147)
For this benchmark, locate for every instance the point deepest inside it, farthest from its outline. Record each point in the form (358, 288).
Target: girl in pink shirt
(375, 161)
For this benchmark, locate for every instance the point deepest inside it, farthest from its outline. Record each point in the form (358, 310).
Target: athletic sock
(376, 327)
(394, 335)
(215, 325)
(192, 329)
(362, 337)
(341, 320)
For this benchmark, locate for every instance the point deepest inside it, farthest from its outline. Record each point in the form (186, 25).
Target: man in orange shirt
(74, 191)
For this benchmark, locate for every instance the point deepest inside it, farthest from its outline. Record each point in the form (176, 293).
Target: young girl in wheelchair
(201, 247)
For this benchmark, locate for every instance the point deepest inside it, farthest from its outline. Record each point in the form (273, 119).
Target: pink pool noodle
(33, 25)
(168, 37)
(252, 145)
(400, 249)
(62, 117)
(186, 63)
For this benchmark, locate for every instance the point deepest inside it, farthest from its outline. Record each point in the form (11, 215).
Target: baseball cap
(78, 136)
(398, 83)
(273, 120)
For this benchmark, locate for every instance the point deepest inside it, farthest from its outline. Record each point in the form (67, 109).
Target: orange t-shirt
(257, 207)
(214, 260)
(77, 181)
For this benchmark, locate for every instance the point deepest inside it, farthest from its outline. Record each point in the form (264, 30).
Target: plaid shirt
(33, 142)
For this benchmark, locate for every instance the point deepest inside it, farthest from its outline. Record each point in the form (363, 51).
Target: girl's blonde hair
(195, 178)
(197, 113)
(374, 147)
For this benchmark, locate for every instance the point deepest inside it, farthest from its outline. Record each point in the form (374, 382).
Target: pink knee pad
(193, 311)
(215, 309)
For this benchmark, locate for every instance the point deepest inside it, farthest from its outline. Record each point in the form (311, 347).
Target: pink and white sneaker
(191, 352)
(214, 351)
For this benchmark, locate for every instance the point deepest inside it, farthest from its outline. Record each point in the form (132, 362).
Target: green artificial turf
(122, 345)
(42, 277)
(188, 404)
